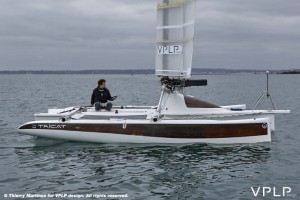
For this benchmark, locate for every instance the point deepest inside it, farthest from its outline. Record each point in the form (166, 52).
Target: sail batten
(175, 38)
(174, 41)
(175, 26)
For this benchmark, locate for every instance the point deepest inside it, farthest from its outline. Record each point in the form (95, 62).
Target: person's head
(101, 83)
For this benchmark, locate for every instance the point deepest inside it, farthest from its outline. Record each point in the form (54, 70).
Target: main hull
(145, 131)
(177, 119)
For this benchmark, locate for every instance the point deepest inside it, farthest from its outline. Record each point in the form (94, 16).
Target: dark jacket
(101, 96)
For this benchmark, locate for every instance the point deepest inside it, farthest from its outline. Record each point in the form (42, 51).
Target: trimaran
(177, 118)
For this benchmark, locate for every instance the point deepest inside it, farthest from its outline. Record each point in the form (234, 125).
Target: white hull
(175, 122)
(113, 138)
(48, 129)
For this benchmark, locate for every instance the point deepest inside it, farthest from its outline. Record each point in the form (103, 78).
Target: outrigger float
(177, 118)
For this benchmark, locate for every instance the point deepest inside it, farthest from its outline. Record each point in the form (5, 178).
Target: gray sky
(120, 34)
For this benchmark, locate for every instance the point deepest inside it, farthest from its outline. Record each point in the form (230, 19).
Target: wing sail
(175, 38)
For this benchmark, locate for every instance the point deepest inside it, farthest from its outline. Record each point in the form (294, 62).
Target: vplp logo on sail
(171, 49)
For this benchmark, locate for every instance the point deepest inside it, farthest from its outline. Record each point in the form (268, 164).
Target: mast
(175, 38)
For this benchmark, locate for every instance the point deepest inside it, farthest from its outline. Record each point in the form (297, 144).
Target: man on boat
(100, 97)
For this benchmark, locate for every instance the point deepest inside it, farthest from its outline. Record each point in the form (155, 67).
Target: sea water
(38, 168)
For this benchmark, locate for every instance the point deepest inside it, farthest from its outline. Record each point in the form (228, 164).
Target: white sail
(175, 38)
